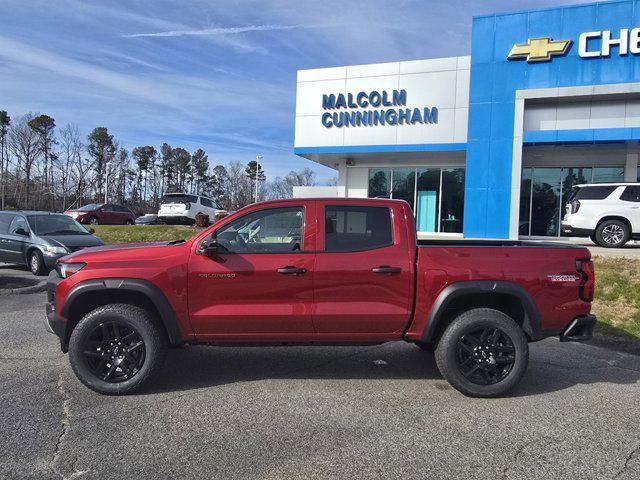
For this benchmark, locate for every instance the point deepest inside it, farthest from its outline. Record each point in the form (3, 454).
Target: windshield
(91, 206)
(55, 225)
(179, 199)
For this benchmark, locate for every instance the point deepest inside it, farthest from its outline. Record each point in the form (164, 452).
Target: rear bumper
(579, 330)
(576, 232)
(175, 218)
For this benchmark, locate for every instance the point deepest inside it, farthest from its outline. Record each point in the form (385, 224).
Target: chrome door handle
(385, 270)
(292, 270)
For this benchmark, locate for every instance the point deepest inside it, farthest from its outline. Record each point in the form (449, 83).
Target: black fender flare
(531, 323)
(144, 287)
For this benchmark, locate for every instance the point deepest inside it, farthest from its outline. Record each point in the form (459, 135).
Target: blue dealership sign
(382, 116)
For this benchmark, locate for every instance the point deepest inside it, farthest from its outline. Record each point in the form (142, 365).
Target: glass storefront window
(379, 183)
(428, 199)
(435, 194)
(452, 200)
(404, 184)
(545, 192)
(545, 200)
(608, 174)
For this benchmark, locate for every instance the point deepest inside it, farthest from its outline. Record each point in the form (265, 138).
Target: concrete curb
(39, 287)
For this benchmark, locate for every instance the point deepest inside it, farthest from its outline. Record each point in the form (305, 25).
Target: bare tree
(25, 146)
(283, 187)
(5, 122)
(70, 160)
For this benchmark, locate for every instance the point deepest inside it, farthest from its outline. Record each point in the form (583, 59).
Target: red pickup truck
(319, 271)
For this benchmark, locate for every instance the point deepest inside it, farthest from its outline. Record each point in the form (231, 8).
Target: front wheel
(128, 221)
(116, 348)
(482, 353)
(612, 234)
(36, 263)
(94, 221)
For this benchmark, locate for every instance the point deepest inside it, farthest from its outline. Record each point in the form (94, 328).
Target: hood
(123, 248)
(73, 241)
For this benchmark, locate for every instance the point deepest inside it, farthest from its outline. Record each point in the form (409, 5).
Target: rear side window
(593, 193)
(353, 228)
(631, 194)
(206, 202)
(5, 221)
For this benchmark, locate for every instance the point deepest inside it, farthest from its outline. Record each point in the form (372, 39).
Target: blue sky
(218, 75)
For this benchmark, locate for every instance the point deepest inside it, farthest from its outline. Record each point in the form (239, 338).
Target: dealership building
(487, 145)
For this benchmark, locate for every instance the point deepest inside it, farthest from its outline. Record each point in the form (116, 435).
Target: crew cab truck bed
(319, 271)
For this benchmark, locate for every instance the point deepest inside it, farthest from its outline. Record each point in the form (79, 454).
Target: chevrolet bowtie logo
(539, 49)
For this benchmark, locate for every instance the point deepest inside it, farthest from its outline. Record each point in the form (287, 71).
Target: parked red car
(103, 214)
(345, 271)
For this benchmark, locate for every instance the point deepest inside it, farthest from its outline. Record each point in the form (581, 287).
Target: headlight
(55, 250)
(65, 270)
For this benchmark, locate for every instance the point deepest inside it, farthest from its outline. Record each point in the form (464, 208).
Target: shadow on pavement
(552, 367)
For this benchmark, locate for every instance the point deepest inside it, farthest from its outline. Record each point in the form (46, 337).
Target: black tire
(427, 347)
(94, 221)
(134, 364)
(593, 238)
(491, 368)
(36, 263)
(128, 221)
(612, 234)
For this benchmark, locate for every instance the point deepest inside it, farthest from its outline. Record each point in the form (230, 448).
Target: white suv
(183, 208)
(608, 213)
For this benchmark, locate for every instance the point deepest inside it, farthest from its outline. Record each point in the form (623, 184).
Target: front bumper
(50, 259)
(579, 330)
(53, 322)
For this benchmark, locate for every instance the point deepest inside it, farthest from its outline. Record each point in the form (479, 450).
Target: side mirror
(91, 231)
(22, 231)
(210, 247)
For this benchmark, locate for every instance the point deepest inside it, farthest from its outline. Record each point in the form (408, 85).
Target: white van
(183, 208)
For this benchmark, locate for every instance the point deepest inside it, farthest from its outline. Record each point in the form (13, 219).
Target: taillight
(587, 288)
(575, 206)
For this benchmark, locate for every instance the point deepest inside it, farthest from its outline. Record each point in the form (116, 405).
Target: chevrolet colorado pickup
(319, 271)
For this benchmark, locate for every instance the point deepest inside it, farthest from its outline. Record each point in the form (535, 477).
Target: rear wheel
(482, 353)
(116, 348)
(612, 234)
(128, 221)
(36, 263)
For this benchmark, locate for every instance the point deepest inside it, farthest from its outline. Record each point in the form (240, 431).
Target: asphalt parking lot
(315, 412)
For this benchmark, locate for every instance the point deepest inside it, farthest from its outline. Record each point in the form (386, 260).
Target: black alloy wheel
(482, 353)
(485, 355)
(114, 351)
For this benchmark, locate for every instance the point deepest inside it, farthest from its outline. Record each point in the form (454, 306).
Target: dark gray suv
(38, 239)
